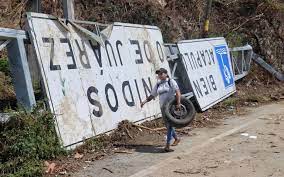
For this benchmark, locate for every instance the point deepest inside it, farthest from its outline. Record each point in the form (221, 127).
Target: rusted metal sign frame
(14, 41)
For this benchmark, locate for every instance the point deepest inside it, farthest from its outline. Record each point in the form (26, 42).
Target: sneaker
(176, 142)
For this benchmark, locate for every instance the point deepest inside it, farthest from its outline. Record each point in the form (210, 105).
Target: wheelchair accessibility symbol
(224, 65)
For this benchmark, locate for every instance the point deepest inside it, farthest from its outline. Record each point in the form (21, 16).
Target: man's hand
(178, 106)
(143, 103)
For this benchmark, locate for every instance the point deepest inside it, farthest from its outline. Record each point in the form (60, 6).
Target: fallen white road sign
(91, 88)
(209, 68)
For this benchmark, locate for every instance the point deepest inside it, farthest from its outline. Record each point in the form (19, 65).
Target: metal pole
(207, 17)
(36, 6)
(68, 9)
(267, 67)
(20, 73)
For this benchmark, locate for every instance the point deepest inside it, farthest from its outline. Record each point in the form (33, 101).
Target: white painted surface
(209, 69)
(67, 88)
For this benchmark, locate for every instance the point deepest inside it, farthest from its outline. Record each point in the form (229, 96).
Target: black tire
(186, 115)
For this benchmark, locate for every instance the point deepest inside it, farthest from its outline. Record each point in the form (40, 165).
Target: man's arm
(148, 99)
(177, 91)
(178, 96)
(152, 95)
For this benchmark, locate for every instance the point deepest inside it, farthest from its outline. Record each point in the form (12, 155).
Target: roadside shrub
(4, 66)
(25, 141)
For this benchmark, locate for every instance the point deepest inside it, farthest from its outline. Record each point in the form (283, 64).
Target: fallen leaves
(63, 172)
(50, 167)
(78, 156)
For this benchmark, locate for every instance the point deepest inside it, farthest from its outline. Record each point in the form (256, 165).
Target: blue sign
(222, 55)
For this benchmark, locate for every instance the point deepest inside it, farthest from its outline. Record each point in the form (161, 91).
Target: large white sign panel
(209, 68)
(91, 88)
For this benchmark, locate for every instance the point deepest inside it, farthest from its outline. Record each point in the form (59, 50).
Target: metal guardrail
(256, 58)
(241, 60)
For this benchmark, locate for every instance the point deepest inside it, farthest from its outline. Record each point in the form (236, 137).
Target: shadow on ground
(142, 148)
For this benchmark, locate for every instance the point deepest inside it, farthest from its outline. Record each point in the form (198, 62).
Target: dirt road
(251, 145)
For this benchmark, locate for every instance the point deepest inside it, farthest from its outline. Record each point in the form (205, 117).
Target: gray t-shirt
(164, 90)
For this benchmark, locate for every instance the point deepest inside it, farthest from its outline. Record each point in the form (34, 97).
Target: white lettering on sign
(91, 88)
(209, 68)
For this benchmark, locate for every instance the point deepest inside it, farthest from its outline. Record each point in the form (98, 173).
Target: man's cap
(161, 70)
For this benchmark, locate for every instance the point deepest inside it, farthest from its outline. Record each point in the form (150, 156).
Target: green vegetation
(6, 87)
(231, 101)
(276, 4)
(93, 144)
(240, 100)
(235, 39)
(4, 66)
(26, 140)
(254, 98)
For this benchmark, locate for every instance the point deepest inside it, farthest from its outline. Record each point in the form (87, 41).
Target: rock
(253, 137)
(227, 161)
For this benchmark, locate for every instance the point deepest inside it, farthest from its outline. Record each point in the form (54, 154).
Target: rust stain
(71, 126)
(67, 113)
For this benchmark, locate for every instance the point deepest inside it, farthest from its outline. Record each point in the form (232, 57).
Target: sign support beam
(20, 73)
(207, 18)
(36, 6)
(19, 66)
(68, 9)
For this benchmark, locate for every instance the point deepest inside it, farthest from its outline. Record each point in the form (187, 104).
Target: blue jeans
(171, 133)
